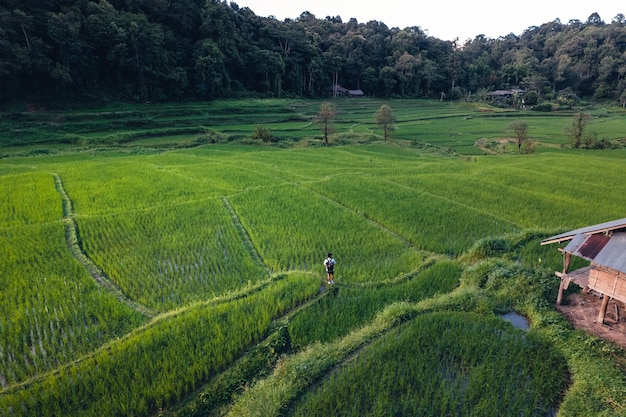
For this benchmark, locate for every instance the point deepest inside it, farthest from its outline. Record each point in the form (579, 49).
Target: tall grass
(51, 310)
(159, 225)
(28, 198)
(409, 211)
(121, 184)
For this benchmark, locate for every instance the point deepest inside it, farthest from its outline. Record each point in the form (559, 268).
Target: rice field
(444, 364)
(161, 267)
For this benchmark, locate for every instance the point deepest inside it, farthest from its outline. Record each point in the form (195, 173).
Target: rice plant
(51, 310)
(161, 362)
(28, 198)
(293, 229)
(353, 306)
(444, 364)
(171, 255)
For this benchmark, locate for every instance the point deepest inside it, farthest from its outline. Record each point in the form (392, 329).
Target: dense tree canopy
(58, 51)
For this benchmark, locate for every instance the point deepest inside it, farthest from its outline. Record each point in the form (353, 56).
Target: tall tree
(325, 117)
(406, 71)
(385, 118)
(577, 128)
(520, 129)
(212, 79)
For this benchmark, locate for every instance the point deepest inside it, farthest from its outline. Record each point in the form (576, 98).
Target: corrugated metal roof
(598, 228)
(613, 254)
(609, 251)
(587, 247)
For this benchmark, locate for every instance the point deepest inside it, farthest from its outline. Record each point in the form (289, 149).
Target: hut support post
(559, 297)
(602, 313)
(562, 287)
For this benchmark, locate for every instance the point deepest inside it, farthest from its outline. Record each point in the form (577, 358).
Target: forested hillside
(56, 52)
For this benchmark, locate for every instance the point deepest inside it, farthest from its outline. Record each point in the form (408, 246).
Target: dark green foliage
(490, 247)
(545, 107)
(262, 133)
(58, 53)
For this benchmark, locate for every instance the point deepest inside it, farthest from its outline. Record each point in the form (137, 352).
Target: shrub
(531, 98)
(455, 93)
(547, 107)
(262, 133)
(490, 246)
(528, 147)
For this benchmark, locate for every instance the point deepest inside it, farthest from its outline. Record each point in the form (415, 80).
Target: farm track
(71, 238)
(243, 234)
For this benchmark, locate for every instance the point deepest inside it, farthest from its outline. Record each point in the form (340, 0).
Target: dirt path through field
(71, 238)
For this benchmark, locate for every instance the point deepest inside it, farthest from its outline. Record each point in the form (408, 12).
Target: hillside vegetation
(180, 273)
(58, 53)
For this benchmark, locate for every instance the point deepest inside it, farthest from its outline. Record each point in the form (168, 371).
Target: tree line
(62, 51)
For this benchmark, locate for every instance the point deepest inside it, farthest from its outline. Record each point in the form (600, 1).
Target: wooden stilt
(559, 297)
(564, 281)
(602, 313)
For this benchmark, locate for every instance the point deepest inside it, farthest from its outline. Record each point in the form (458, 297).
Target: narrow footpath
(244, 236)
(71, 238)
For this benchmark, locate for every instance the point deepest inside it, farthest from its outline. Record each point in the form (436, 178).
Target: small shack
(505, 97)
(339, 91)
(604, 246)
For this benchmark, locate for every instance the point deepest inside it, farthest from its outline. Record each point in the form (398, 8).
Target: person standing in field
(330, 263)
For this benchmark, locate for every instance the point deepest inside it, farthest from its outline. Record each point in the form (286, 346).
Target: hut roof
(589, 230)
(505, 92)
(604, 243)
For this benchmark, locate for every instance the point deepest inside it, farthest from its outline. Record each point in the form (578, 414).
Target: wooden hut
(339, 91)
(604, 246)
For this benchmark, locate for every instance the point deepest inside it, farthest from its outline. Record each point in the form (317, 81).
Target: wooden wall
(608, 281)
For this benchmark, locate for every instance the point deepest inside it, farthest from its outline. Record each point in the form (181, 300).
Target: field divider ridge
(244, 235)
(72, 240)
(381, 226)
(456, 202)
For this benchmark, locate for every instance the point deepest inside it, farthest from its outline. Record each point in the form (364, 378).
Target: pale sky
(445, 20)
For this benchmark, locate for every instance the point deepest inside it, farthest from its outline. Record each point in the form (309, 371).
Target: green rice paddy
(158, 261)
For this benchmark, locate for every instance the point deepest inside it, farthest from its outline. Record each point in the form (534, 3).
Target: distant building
(339, 91)
(604, 246)
(505, 97)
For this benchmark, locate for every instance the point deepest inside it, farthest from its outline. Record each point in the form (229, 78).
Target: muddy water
(516, 320)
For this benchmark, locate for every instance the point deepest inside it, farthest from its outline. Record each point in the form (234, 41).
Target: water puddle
(516, 320)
